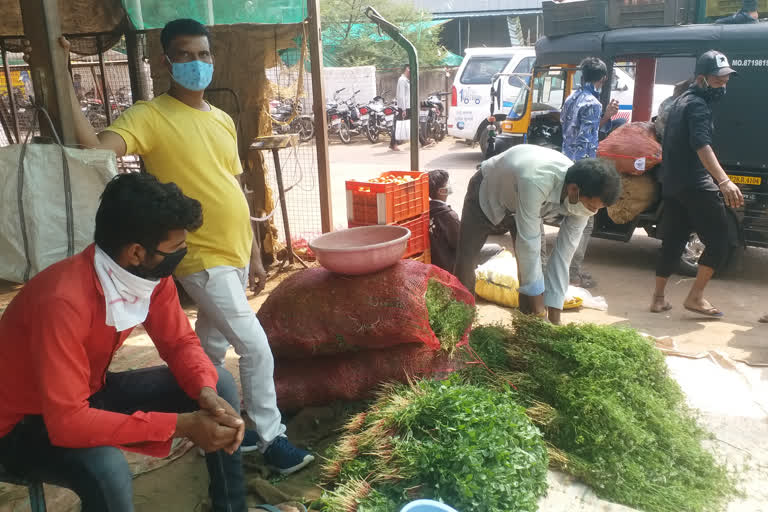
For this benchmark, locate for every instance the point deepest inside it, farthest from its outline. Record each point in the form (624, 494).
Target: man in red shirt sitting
(63, 416)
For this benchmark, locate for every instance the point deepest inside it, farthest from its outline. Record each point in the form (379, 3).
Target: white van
(471, 91)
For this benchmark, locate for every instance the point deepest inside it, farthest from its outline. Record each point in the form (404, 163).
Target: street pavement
(624, 271)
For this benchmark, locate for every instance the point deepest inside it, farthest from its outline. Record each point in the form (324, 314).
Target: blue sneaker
(251, 441)
(285, 458)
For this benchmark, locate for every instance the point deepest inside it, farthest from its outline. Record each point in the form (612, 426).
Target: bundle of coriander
(468, 446)
(448, 318)
(604, 398)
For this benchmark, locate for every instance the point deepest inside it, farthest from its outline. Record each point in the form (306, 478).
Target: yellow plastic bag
(573, 303)
(496, 280)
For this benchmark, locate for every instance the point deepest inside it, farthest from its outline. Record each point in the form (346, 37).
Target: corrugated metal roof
(458, 8)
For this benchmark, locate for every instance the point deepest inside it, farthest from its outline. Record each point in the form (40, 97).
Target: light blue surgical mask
(194, 75)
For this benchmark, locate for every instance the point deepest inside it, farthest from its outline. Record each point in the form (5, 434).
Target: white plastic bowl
(363, 250)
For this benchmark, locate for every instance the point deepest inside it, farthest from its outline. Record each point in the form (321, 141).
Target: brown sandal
(666, 306)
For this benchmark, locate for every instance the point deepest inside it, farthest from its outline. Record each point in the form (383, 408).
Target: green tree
(354, 41)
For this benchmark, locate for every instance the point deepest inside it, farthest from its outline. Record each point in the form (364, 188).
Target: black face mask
(163, 269)
(712, 94)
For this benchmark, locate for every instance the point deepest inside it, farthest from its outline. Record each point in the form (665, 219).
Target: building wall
(362, 78)
(430, 80)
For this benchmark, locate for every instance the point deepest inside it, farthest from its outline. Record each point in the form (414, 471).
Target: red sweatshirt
(55, 348)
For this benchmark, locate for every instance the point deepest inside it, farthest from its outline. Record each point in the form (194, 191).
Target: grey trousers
(474, 231)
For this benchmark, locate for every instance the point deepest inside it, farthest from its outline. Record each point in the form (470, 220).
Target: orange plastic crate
(419, 241)
(386, 203)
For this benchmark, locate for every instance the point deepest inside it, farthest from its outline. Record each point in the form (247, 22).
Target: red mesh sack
(632, 147)
(355, 375)
(316, 312)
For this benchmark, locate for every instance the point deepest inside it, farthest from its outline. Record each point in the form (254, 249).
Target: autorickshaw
(657, 56)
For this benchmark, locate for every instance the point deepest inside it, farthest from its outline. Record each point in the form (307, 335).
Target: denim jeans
(101, 476)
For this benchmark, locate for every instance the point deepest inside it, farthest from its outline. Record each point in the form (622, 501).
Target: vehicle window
(615, 85)
(520, 101)
(524, 66)
(548, 91)
(480, 70)
(548, 94)
(576, 83)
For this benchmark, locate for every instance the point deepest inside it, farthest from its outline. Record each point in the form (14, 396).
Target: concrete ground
(624, 271)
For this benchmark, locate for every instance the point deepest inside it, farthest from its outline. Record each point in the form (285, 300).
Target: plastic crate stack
(401, 204)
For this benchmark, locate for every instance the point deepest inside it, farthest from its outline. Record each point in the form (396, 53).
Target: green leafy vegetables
(603, 397)
(471, 447)
(448, 318)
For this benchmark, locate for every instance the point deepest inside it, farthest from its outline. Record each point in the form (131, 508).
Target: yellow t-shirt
(198, 151)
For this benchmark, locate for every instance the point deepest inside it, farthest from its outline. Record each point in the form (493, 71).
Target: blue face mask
(194, 75)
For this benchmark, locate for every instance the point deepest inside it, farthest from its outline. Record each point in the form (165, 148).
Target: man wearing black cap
(695, 187)
(747, 14)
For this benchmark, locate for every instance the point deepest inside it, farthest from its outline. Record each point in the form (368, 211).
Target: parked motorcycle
(287, 118)
(378, 121)
(93, 110)
(337, 115)
(432, 118)
(353, 117)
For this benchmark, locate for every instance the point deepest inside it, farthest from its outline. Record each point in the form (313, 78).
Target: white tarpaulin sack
(48, 200)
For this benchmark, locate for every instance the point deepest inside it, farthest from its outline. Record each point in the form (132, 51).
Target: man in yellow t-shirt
(185, 140)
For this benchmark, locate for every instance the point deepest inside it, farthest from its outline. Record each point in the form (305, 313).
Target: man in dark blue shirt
(695, 187)
(583, 119)
(747, 14)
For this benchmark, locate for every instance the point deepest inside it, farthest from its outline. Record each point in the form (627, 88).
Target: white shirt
(527, 181)
(403, 96)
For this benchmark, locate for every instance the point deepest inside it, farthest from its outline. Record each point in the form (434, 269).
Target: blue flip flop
(712, 312)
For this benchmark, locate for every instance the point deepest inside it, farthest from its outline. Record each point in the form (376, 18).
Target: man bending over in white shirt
(516, 190)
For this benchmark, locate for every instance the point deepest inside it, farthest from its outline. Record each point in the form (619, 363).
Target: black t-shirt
(689, 128)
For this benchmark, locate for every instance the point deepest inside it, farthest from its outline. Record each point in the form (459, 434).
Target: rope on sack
(67, 191)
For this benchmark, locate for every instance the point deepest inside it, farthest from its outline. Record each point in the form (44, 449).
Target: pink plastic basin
(363, 250)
